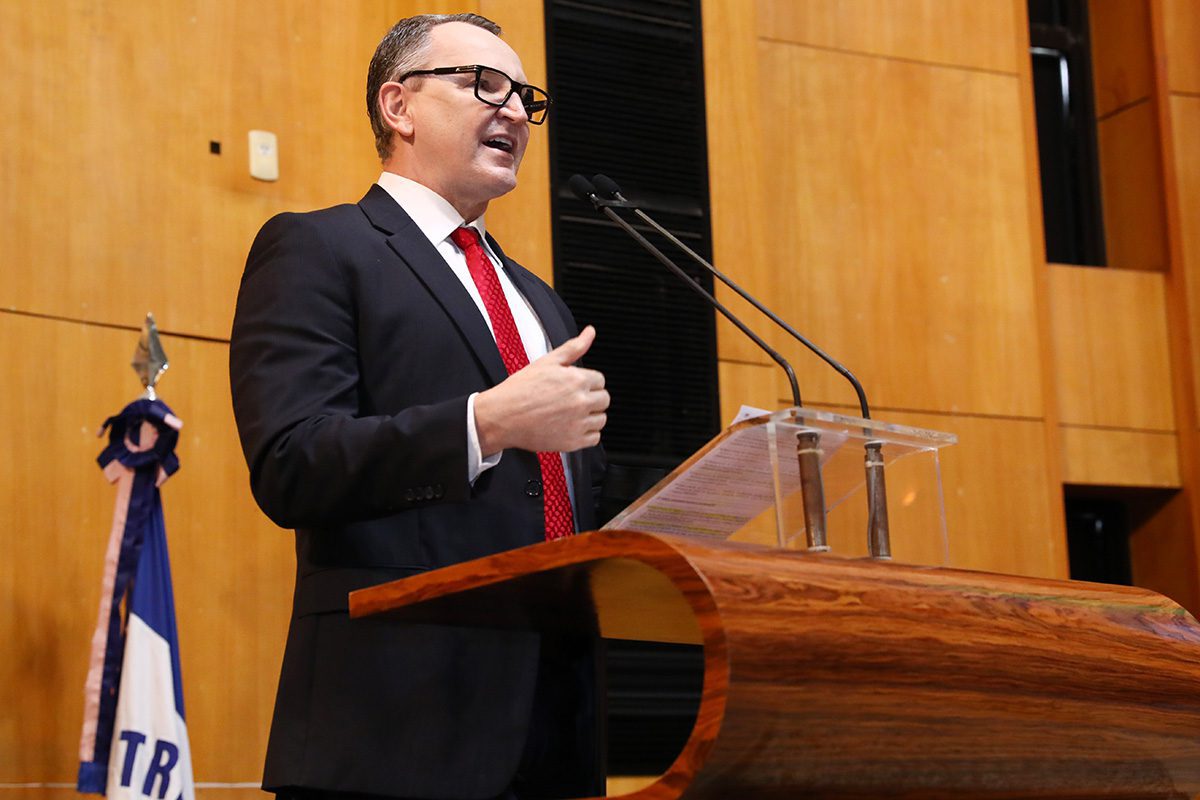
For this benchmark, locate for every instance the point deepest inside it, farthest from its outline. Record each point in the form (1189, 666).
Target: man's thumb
(572, 350)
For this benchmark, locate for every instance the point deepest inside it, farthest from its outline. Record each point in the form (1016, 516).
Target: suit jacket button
(428, 492)
(533, 488)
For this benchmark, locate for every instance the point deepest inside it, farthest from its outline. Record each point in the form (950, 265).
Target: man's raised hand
(550, 405)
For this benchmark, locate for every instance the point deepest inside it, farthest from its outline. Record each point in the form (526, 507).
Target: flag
(135, 742)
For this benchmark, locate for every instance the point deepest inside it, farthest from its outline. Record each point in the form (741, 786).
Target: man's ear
(394, 105)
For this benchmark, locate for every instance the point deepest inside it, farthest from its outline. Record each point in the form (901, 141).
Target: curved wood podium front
(828, 677)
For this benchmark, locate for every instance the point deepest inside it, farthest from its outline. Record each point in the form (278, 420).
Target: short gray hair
(403, 49)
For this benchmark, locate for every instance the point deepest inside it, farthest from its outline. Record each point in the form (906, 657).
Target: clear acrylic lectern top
(752, 467)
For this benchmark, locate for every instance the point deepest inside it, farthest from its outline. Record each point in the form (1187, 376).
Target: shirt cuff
(476, 463)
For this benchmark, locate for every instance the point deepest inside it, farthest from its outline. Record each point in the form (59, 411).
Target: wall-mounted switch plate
(264, 156)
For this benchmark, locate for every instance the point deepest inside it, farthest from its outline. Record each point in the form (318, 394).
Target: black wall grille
(627, 78)
(653, 696)
(628, 84)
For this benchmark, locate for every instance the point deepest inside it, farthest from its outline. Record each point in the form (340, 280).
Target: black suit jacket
(353, 351)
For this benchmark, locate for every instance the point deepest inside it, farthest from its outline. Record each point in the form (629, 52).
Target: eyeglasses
(495, 88)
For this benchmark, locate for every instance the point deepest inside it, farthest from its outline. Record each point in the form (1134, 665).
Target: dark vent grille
(627, 80)
(653, 696)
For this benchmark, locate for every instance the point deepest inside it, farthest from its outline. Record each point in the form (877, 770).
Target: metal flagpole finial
(149, 360)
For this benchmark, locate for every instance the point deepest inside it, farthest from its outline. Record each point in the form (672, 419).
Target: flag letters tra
(135, 742)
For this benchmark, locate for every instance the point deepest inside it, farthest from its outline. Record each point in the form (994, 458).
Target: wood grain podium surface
(829, 677)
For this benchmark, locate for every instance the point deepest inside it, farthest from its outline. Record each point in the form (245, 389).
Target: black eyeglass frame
(514, 87)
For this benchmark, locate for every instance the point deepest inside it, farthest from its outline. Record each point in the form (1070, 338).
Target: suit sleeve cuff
(476, 463)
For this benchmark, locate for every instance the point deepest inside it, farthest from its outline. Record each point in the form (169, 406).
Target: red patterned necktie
(556, 503)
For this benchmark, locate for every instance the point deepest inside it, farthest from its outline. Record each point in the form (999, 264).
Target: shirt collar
(431, 212)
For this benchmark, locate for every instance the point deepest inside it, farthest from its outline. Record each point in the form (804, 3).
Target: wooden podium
(851, 678)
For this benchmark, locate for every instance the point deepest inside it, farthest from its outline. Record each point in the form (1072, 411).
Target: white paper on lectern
(748, 412)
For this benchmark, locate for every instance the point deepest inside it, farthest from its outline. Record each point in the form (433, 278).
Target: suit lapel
(415, 250)
(430, 268)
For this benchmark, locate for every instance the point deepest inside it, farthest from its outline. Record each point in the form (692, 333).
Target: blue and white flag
(135, 742)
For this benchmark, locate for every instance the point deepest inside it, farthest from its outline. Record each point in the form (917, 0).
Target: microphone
(878, 538)
(807, 448)
(609, 188)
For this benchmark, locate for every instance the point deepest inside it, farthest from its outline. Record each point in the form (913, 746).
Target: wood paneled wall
(1128, 135)
(1110, 343)
(1113, 369)
(1123, 337)
(113, 205)
(886, 166)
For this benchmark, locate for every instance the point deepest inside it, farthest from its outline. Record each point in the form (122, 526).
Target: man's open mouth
(499, 143)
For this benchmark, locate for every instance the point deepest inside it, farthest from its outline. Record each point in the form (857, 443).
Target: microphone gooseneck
(807, 440)
(609, 188)
(585, 191)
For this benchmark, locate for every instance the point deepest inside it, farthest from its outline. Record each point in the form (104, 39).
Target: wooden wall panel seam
(1085, 427)
(746, 362)
(884, 57)
(1122, 109)
(134, 329)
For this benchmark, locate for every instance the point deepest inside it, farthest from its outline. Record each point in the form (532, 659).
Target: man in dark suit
(407, 398)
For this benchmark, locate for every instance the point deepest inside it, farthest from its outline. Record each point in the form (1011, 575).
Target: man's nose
(514, 109)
